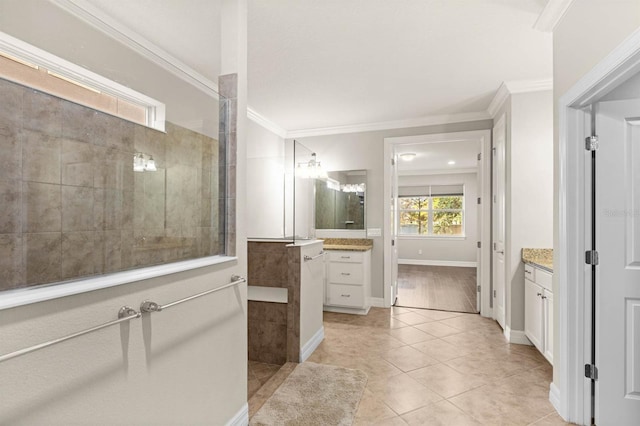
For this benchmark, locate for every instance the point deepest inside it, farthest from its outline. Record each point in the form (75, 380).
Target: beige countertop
(538, 257)
(348, 244)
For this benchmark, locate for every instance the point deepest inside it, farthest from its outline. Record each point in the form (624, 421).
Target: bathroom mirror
(340, 200)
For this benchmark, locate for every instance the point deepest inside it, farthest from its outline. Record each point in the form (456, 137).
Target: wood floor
(445, 288)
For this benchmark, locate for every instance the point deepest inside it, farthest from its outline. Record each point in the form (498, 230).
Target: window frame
(430, 215)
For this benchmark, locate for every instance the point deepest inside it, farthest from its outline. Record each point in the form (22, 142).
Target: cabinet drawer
(545, 279)
(346, 273)
(346, 256)
(529, 272)
(346, 295)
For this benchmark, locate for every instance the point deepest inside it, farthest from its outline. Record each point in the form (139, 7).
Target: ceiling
(433, 158)
(318, 64)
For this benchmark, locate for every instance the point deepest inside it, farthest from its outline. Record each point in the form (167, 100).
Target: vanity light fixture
(142, 164)
(451, 163)
(408, 156)
(333, 184)
(312, 169)
(353, 187)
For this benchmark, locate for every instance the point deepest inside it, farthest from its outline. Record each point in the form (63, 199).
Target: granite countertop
(538, 257)
(348, 244)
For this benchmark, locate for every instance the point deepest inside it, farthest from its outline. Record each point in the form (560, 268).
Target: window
(436, 210)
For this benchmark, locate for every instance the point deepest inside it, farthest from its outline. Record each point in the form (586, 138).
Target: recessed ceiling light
(407, 156)
(451, 163)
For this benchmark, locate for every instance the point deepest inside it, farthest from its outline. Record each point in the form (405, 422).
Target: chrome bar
(149, 306)
(308, 258)
(124, 314)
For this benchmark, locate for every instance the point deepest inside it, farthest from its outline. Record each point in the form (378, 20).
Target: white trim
(341, 233)
(432, 237)
(385, 125)
(101, 21)
(311, 345)
(456, 263)
(516, 336)
(355, 311)
(569, 268)
(26, 52)
(376, 302)
(241, 418)
(25, 296)
(261, 120)
(508, 88)
(551, 15)
(554, 396)
(436, 172)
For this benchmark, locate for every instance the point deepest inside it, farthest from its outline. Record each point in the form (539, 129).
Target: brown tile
(446, 381)
(468, 322)
(77, 254)
(113, 168)
(10, 206)
(401, 393)
(42, 256)
(42, 113)
(440, 350)
(77, 163)
(440, 413)
(77, 208)
(41, 207)
(108, 209)
(437, 329)
(267, 342)
(11, 275)
(372, 409)
(11, 106)
(10, 150)
(412, 318)
(410, 335)
(40, 157)
(407, 358)
(552, 419)
(436, 315)
(80, 123)
(108, 251)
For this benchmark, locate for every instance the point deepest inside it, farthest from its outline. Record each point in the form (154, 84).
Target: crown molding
(93, 16)
(508, 88)
(551, 15)
(261, 120)
(386, 125)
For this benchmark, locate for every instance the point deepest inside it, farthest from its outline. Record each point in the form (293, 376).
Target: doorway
(437, 247)
(598, 380)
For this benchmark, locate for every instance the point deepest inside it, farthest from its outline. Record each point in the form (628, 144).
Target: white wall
(186, 365)
(444, 249)
(577, 51)
(265, 183)
(365, 151)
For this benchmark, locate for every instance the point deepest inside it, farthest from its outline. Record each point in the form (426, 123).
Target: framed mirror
(340, 200)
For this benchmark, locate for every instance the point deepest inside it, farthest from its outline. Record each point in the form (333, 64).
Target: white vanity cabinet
(348, 285)
(538, 309)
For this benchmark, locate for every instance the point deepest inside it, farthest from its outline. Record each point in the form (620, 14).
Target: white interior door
(498, 221)
(618, 272)
(394, 228)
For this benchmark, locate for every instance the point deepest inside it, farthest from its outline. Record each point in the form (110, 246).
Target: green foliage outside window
(436, 215)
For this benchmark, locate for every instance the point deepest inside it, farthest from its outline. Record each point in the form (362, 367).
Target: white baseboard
(311, 345)
(241, 418)
(376, 302)
(457, 263)
(554, 397)
(340, 310)
(516, 336)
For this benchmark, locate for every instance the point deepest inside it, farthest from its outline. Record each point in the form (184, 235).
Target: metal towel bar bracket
(150, 306)
(124, 314)
(308, 258)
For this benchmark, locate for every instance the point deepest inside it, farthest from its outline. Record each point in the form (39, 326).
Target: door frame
(484, 231)
(500, 122)
(570, 391)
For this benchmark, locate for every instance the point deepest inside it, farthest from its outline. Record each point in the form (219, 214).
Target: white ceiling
(316, 64)
(433, 158)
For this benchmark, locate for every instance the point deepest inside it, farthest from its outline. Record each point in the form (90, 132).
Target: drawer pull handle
(345, 273)
(345, 257)
(345, 295)
(539, 294)
(527, 272)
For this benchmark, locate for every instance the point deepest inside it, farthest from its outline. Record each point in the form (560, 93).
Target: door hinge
(591, 257)
(493, 149)
(479, 244)
(591, 143)
(478, 289)
(494, 293)
(393, 242)
(393, 161)
(479, 200)
(479, 156)
(495, 247)
(591, 371)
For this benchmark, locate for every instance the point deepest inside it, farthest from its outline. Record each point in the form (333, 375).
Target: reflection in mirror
(340, 200)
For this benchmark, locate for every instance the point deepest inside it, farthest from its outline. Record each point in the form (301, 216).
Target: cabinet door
(533, 323)
(548, 326)
(346, 295)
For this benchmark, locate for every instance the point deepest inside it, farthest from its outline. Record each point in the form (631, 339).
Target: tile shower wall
(71, 205)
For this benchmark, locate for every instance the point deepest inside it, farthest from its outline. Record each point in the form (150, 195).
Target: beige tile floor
(432, 367)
